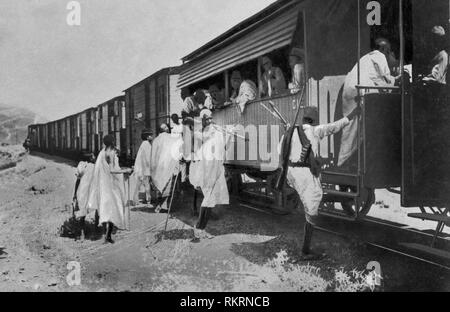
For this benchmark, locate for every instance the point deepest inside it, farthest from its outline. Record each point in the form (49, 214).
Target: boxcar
(149, 103)
(110, 120)
(402, 143)
(33, 135)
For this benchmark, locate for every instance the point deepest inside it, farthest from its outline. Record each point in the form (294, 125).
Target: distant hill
(14, 122)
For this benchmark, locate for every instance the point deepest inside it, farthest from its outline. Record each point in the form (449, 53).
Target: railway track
(391, 237)
(385, 235)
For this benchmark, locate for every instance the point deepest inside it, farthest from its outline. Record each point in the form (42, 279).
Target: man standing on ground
(142, 174)
(207, 169)
(84, 174)
(165, 165)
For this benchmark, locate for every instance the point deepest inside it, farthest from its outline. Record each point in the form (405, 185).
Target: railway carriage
(110, 120)
(149, 103)
(402, 144)
(87, 133)
(33, 135)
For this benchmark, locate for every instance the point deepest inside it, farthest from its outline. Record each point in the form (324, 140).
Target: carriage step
(431, 217)
(339, 178)
(427, 249)
(338, 194)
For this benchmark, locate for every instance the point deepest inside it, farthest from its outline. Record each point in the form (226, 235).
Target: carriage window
(161, 99)
(274, 73)
(214, 89)
(124, 115)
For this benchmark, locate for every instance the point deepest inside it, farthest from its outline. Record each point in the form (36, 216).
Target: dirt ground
(247, 250)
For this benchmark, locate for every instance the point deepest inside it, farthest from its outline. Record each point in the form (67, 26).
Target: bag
(307, 156)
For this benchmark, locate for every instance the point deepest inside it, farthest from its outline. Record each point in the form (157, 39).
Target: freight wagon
(149, 103)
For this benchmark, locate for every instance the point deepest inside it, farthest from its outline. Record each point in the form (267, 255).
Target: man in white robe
(165, 164)
(108, 189)
(374, 72)
(439, 64)
(177, 132)
(297, 64)
(244, 91)
(142, 164)
(85, 175)
(207, 169)
(303, 173)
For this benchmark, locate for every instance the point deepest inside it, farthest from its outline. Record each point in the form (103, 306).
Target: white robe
(108, 190)
(375, 71)
(143, 160)
(308, 186)
(207, 171)
(85, 172)
(141, 173)
(165, 161)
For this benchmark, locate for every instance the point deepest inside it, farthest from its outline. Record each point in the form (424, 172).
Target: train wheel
(365, 202)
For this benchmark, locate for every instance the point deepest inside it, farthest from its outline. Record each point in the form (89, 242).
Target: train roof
(237, 31)
(270, 29)
(174, 70)
(120, 98)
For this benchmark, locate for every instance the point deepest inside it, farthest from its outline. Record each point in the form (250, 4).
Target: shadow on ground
(72, 229)
(56, 159)
(3, 253)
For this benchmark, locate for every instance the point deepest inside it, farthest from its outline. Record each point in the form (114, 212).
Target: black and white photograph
(208, 147)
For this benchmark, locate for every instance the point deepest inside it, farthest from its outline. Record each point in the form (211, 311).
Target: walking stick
(171, 201)
(127, 206)
(194, 207)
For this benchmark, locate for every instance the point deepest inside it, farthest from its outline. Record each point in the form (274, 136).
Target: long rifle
(217, 127)
(286, 146)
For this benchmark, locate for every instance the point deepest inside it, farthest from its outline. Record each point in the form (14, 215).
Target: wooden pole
(402, 39)
(358, 120)
(171, 200)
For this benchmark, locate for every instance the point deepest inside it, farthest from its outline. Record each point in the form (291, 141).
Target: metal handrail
(377, 88)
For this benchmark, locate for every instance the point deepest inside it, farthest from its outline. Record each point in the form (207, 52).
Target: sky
(57, 70)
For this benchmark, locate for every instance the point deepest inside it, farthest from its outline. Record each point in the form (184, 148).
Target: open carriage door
(426, 117)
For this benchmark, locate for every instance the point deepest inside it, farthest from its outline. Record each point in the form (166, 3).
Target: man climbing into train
(373, 71)
(302, 168)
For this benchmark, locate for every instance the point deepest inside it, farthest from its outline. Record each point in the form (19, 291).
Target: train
(80, 134)
(334, 34)
(145, 104)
